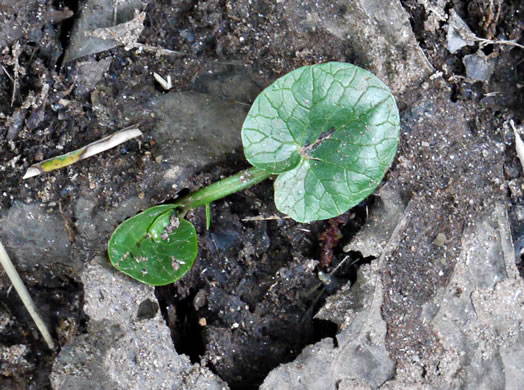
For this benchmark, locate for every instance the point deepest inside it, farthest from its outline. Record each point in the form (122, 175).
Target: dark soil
(249, 302)
(59, 299)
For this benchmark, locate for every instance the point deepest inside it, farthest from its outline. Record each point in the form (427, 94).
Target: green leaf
(155, 247)
(330, 131)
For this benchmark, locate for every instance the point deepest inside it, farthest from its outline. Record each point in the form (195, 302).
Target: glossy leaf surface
(330, 131)
(154, 247)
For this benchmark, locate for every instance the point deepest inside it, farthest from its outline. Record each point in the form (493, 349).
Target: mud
(249, 303)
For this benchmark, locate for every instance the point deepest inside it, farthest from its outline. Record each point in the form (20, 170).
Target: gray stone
(480, 315)
(381, 35)
(519, 212)
(512, 358)
(77, 366)
(19, 18)
(361, 358)
(123, 350)
(478, 318)
(235, 85)
(459, 33)
(34, 236)
(478, 66)
(195, 131)
(94, 225)
(97, 14)
(90, 72)
(12, 360)
(384, 217)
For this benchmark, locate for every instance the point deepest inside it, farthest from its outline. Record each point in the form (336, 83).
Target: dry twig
(84, 152)
(20, 288)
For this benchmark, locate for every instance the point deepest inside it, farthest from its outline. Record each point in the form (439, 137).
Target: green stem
(238, 182)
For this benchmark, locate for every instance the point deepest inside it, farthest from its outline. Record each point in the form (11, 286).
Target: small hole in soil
(268, 340)
(248, 304)
(251, 341)
(323, 329)
(183, 322)
(146, 310)
(454, 93)
(67, 25)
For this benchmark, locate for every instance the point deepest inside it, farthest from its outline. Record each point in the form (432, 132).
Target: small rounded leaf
(155, 247)
(330, 131)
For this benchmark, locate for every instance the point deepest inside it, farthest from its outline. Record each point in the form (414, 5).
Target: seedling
(327, 132)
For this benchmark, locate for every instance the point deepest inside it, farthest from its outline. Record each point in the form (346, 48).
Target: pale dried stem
(84, 152)
(20, 288)
(519, 145)
(484, 42)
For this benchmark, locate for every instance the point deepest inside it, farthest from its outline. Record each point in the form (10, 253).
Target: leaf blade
(151, 249)
(338, 128)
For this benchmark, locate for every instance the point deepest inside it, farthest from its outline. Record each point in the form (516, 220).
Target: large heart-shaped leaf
(155, 247)
(330, 131)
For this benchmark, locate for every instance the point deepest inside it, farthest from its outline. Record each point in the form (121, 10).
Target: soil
(248, 304)
(256, 287)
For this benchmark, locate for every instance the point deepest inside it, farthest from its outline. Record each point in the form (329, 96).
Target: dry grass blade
(84, 152)
(20, 288)
(519, 145)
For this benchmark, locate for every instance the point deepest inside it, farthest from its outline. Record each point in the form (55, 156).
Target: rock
(97, 14)
(435, 11)
(78, 365)
(35, 236)
(124, 349)
(381, 35)
(384, 217)
(6, 319)
(519, 212)
(235, 85)
(195, 131)
(459, 33)
(90, 72)
(440, 239)
(360, 358)
(420, 276)
(13, 361)
(19, 18)
(516, 189)
(479, 316)
(94, 225)
(478, 66)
